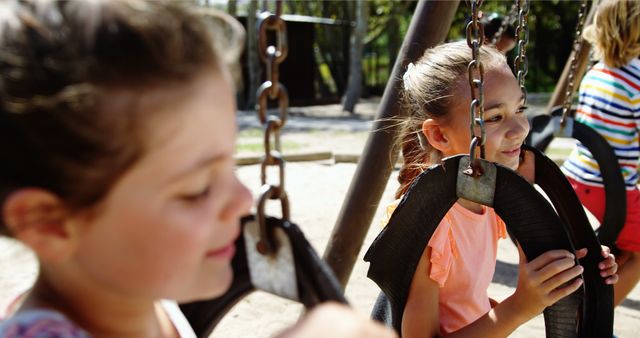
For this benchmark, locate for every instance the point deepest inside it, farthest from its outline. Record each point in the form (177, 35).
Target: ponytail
(414, 162)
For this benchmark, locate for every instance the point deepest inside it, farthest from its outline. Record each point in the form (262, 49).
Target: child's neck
(471, 206)
(102, 315)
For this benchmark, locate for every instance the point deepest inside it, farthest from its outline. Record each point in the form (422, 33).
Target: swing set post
(559, 93)
(429, 26)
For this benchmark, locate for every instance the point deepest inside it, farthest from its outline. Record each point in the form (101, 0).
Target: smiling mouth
(225, 253)
(513, 152)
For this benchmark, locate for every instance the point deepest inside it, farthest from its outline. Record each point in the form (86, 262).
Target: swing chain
(521, 63)
(475, 39)
(271, 26)
(503, 26)
(577, 47)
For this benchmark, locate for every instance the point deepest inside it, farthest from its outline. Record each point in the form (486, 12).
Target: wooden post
(559, 93)
(429, 26)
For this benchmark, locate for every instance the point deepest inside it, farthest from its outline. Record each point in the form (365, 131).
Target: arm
(540, 284)
(420, 316)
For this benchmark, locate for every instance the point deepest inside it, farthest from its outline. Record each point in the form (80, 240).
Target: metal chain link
(475, 39)
(506, 20)
(577, 46)
(272, 55)
(521, 63)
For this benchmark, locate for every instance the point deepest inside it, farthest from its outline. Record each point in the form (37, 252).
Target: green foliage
(551, 26)
(551, 32)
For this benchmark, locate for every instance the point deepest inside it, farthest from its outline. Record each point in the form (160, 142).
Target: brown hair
(427, 89)
(73, 74)
(615, 32)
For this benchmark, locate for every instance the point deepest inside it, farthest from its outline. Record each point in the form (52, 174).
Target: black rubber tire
(396, 251)
(541, 135)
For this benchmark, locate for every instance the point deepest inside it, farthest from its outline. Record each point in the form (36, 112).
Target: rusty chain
(577, 46)
(521, 63)
(475, 39)
(506, 20)
(272, 55)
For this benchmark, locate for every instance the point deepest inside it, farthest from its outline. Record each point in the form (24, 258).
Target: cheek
(147, 253)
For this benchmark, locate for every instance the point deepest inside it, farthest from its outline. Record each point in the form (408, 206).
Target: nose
(518, 128)
(240, 203)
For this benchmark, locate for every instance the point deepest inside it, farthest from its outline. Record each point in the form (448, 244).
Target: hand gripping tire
(586, 313)
(315, 280)
(544, 129)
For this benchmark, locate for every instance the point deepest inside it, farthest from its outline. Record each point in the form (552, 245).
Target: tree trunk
(354, 85)
(252, 55)
(232, 7)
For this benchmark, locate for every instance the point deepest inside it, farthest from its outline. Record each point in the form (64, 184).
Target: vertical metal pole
(429, 26)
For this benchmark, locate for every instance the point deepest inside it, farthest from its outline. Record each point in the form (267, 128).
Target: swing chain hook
(475, 69)
(577, 47)
(271, 27)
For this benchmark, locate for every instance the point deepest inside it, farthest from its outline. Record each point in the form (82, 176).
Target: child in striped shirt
(610, 104)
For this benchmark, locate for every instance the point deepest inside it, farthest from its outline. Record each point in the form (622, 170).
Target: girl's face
(167, 227)
(505, 122)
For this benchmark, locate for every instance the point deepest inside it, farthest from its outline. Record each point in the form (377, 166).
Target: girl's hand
(335, 320)
(545, 280)
(608, 267)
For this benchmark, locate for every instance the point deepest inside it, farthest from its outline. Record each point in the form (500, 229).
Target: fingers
(559, 279)
(608, 267)
(562, 292)
(580, 253)
(605, 251)
(548, 257)
(612, 279)
(608, 264)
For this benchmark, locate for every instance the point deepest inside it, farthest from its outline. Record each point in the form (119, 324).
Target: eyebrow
(500, 104)
(202, 164)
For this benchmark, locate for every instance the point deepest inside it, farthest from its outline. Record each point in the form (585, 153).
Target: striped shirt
(610, 104)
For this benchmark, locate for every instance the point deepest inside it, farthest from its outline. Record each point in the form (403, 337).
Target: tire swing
(272, 253)
(561, 123)
(587, 312)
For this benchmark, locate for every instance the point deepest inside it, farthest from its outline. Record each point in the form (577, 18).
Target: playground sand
(316, 192)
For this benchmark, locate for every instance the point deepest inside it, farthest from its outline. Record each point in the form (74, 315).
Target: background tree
(354, 86)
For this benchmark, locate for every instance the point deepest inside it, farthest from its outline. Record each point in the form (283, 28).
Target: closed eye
(196, 197)
(522, 109)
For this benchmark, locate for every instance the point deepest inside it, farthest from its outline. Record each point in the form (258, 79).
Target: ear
(434, 133)
(37, 218)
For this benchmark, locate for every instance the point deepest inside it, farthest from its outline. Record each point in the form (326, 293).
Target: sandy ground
(316, 191)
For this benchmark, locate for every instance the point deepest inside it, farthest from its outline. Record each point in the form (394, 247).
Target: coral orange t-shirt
(463, 260)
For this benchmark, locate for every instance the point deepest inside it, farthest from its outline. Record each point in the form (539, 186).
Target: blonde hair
(427, 91)
(615, 32)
